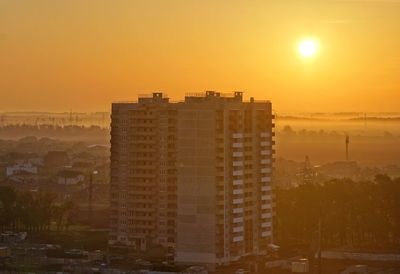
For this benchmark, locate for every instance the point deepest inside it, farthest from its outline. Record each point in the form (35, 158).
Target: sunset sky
(82, 54)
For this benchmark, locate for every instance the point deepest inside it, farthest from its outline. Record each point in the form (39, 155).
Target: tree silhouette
(32, 211)
(362, 214)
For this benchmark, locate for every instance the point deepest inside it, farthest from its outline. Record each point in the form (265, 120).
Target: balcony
(266, 215)
(237, 172)
(266, 188)
(143, 176)
(265, 152)
(136, 142)
(238, 220)
(265, 161)
(237, 145)
(266, 233)
(145, 209)
(237, 191)
(237, 135)
(265, 134)
(238, 239)
(266, 206)
(266, 170)
(265, 143)
(238, 229)
(266, 224)
(266, 197)
(237, 210)
(237, 201)
(237, 154)
(237, 163)
(238, 182)
(265, 179)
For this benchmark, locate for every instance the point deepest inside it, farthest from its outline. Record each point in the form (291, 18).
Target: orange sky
(84, 54)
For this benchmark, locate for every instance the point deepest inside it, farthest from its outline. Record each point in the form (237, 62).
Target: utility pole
(347, 147)
(90, 199)
(90, 213)
(319, 245)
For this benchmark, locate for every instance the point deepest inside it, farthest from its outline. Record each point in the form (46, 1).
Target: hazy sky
(82, 55)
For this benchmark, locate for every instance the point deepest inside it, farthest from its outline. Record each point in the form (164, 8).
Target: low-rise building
(69, 177)
(24, 166)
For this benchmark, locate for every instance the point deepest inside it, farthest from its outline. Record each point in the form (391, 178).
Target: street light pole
(319, 245)
(91, 197)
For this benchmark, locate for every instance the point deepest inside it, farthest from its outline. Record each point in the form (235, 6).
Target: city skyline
(58, 56)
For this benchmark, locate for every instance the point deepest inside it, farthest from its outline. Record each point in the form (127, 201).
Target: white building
(69, 177)
(24, 166)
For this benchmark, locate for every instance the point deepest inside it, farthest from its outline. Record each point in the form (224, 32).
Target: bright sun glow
(308, 48)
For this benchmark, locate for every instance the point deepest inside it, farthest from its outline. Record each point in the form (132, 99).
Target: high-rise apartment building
(194, 176)
(143, 173)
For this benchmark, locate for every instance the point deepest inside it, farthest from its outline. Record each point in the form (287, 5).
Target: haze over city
(200, 137)
(81, 55)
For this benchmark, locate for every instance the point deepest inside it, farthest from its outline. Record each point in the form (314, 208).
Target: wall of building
(193, 176)
(196, 189)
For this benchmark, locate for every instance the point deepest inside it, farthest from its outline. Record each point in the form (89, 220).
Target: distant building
(23, 176)
(69, 177)
(341, 169)
(12, 237)
(24, 166)
(194, 176)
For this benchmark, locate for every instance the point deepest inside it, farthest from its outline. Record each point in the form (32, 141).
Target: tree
(359, 214)
(7, 206)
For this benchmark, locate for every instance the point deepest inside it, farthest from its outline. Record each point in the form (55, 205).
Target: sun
(308, 47)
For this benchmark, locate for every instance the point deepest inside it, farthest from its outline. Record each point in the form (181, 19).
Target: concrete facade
(143, 173)
(199, 171)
